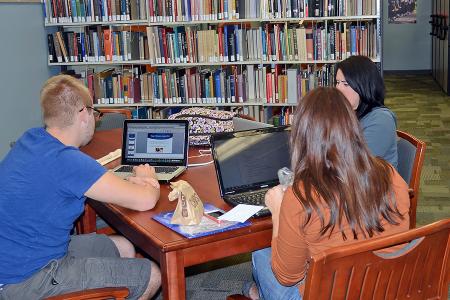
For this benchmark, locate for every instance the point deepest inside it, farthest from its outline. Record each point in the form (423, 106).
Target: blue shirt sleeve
(76, 172)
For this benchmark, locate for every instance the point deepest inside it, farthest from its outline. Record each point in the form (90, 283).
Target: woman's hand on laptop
(273, 200)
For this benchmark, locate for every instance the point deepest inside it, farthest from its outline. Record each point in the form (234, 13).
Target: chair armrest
(94, 294)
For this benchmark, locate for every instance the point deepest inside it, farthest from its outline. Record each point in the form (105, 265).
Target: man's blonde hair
(62, 97)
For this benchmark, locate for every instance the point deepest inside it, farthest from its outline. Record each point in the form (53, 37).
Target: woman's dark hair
(364, 78)
(332, 165)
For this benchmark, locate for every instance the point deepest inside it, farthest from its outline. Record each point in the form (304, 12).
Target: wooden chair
(118, 293)
(112, 118)
(411, 153)
(359, 271)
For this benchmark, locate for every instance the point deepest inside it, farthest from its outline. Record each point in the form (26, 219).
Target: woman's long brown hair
(331, 162)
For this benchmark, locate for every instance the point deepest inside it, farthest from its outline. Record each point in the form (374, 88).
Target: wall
(408, 46)
(23, 69)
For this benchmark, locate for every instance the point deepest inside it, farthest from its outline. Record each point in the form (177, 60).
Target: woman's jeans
(268, 286)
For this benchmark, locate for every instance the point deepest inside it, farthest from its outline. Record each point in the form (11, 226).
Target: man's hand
(144, 171)
(144, 175)
(144, 181)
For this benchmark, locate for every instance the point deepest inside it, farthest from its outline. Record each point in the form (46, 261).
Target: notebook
(247, 163)
(162, 144)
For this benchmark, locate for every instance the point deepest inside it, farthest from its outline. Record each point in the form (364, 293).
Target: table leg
(86, 223)
(172, 273)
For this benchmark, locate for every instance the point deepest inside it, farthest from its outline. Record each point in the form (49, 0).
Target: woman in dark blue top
(358, 78)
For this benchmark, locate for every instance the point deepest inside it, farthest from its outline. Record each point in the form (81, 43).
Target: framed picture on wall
(402, 11)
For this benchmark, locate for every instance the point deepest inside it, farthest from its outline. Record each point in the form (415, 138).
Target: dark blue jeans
(268, 285)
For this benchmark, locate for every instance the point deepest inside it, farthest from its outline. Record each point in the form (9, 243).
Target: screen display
(155, 143)
(244, 161)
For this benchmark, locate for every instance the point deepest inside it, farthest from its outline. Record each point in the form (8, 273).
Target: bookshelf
(232, 54)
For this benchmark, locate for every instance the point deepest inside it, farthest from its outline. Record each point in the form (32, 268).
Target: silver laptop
(162, 144)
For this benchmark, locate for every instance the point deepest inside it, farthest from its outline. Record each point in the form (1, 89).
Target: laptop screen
(156, 142)
(249, 160)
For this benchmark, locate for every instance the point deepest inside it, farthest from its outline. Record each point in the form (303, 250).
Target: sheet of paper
(241, 213)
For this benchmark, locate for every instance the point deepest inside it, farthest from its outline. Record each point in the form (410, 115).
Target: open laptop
(162, 144)
(247, 163)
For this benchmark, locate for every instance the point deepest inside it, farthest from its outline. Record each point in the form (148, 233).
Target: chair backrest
(411, 153)
(356, 271)
(112, 118)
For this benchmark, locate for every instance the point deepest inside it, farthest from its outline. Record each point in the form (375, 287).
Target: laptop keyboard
(160, 170)
(125, 169)
(251, 198)
(165, 169)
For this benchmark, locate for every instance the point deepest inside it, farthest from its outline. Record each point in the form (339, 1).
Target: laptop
(162, 144)
(247, 163)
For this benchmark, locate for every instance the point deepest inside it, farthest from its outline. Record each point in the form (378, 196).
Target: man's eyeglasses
(96, 112)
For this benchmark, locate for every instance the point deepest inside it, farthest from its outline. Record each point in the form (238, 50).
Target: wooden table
(173, 251)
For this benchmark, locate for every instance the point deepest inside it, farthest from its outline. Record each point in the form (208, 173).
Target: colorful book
(206, 226)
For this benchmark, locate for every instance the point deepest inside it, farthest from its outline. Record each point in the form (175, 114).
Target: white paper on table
(241, 213)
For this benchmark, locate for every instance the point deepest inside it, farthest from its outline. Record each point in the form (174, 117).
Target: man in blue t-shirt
(45, 181)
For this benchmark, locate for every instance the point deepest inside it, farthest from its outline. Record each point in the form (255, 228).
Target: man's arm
(139, 193)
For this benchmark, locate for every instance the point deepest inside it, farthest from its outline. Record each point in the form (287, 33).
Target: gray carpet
(217, 279)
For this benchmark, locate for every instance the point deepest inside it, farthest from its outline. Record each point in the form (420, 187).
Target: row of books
(114, 86)
(78, 11)
(273, 42)
(195, 10)
(274, 115)
(232, 84)
(97, 45)
(316, 8)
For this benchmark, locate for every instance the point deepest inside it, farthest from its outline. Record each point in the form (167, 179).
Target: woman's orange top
(294, 246)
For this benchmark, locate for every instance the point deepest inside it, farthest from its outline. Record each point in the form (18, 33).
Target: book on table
(206, 226)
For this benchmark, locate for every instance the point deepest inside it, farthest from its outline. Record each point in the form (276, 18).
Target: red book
(75, 46)
(175, 11)
(309, 43)
(165, 49)
(221, 9)
(136, 90)
(108, 5)
(151, 11)
(165, 88)
(90, 80)
(269, 87)
(108, 44)
(220, 33)
(194, 46)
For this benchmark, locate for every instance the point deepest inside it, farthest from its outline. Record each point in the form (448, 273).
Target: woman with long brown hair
(341, 194)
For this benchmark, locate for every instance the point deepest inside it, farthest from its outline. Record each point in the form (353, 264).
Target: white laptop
(162, 144)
